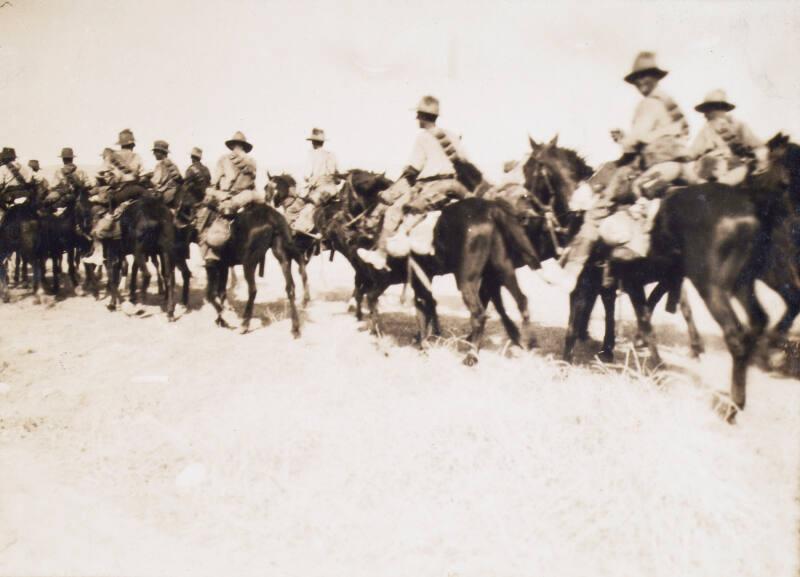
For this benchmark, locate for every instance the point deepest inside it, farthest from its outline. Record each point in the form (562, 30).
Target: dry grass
(130, 446)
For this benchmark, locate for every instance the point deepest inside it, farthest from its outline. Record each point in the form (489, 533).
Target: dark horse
(253, 232)
(64, 231)
(719, 237)
(280, 191)
(147, 231)
(19, 232)
(478, 240)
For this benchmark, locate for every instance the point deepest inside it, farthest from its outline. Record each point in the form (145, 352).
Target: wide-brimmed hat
(239, 138)
(66, 153)
(429, 105)
(715, 100)
(317, 135)
(644, 65)
(161, 145)
(106, 151)
(33, 163)
(126, 137)
(8, 154)
(196, 151)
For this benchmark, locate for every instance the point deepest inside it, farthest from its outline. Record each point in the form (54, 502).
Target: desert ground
(132, 446)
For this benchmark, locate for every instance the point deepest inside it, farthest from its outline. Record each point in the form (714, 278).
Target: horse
(253, 231)
(62, 232)
(552, 174)
(782, 260)
(19, 232)
(280, 191)
(719, 237)
(478, 240)
(147, 231)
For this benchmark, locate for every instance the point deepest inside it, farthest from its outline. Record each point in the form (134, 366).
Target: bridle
(547, 211)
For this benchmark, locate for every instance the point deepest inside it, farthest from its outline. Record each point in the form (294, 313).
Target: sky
(76, 72)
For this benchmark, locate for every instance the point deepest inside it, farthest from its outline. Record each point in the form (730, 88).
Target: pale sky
(192, 72)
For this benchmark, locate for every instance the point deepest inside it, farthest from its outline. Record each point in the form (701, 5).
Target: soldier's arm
(644, 120)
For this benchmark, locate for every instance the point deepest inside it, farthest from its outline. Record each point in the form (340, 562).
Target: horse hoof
(111, 307)
(470, 360)
(533, 343)
(606, 356)
(171, 318)
(244, 329)
(725, 408)
(6, 299)
(296, 333)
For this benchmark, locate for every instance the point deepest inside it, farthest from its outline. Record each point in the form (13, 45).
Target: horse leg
(37, 268)
(639, 301)
(250, 278)
(17, 267)
(113, 262)
(302, 261)
(160, 279)
(214, 287)
(186, 275)
(424, 303)
(56, 260)
(4, 294)
(608, 296)
(285, 261)
(146, 277)
(469, 292)
(695, 340)
(261, 266)
(490, 291)
(581, 299)
(168, 272)
(72, 270)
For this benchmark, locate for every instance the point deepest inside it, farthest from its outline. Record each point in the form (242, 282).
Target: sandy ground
(130, 446)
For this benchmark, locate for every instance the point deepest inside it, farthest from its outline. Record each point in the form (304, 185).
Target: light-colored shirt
(40, 181)
(656, 116)
(123, 166)
(236, 171)
(8, 180)
(78, 176)
(428, 156)
(726, 137)
(165, 175)
(322, 166)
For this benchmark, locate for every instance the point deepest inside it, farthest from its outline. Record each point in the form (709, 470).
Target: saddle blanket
(415, 234)
(630, 227)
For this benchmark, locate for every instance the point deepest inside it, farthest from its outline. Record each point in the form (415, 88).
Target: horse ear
(534, 145)
(554, 141)
(269, 176)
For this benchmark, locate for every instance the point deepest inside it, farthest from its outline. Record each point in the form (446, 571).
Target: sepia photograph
(454, 288)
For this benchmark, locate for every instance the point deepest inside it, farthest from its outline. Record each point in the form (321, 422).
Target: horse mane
(567, 168)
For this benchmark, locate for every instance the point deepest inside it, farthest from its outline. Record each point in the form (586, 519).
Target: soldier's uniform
(428, 181)
(320, 186)
(15, 181)
(197, 177)
(233, 188)
(724, 146)
(166, 175)
(658, 134)
(68, 178)
(38, 179)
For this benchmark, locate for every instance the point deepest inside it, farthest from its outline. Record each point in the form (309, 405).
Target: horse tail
(514, 234)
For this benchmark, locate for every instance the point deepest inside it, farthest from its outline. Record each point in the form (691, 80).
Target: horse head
(552, 174)
(279, 188)
(784, 164)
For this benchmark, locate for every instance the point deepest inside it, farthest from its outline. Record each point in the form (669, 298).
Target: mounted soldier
(319, 188)
(233, 189)
(120, 170)
(725, 147)
(38, 179)
(166, 176)
(197, 177)
(429, 181)
(68, 176)
(654, 157)
(16, 182)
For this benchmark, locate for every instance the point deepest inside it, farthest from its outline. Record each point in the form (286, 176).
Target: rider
(320, 184)
(198, 177)
(120, 169)
(166, 176)
(235, 181)
(68, 174)
(15, 181)
(42, 186)
(658, 137)
(724, 146)
(428, 180)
